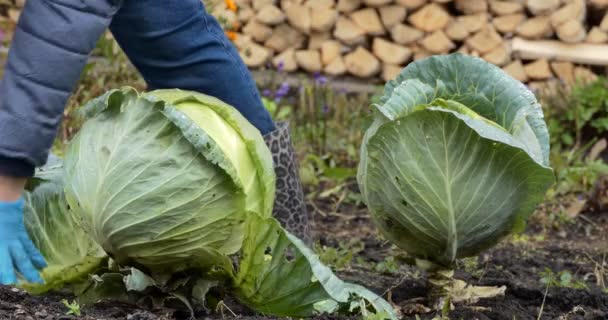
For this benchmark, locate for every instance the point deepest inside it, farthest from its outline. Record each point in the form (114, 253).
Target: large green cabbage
(456, 158)
(171, 181)
(165, 180)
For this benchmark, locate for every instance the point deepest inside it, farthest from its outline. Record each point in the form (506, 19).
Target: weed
(74, 307)
(339, 258)
(562, 279)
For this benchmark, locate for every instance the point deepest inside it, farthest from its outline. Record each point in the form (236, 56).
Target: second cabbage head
(456, 158)
(155, 189)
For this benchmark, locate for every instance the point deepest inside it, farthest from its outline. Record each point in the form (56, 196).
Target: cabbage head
(457, 157)
(166, 179)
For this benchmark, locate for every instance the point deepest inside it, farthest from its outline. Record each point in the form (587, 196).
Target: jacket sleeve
(50, 48)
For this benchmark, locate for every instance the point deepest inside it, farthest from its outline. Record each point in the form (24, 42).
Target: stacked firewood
(533, 40)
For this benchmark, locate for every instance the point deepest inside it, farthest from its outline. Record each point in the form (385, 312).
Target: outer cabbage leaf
(155, 189)
(477, 84)
(70, 253)
(444, 183)
(279, 275)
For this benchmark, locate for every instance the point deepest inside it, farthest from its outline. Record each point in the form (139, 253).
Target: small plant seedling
(562, 279)
(74, 307)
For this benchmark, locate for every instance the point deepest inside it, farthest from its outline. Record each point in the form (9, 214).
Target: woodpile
(533, 40)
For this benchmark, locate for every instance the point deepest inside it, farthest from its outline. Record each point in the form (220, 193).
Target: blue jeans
(177, 44)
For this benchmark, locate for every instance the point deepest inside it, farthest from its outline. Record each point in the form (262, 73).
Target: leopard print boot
(289, 206)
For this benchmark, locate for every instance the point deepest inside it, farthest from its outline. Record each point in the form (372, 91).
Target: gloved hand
(17, 252)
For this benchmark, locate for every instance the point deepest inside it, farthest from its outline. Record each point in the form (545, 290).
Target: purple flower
(266, 93)
(282, 91)
(319, 79)
(280, 66)
(325, 108)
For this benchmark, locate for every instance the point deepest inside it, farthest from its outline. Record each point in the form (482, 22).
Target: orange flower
(230, 5)
(231, 35)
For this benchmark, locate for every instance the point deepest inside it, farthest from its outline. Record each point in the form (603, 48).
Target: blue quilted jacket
(49, 51)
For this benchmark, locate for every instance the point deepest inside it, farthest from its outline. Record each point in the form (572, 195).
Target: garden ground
(559, 265)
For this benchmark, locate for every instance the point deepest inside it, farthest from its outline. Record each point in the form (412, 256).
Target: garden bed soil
(579, 247)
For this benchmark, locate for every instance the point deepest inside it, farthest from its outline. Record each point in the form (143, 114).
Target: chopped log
(596, 35)
(535, 28)
(259, 4)
(599, 4)
(508, 23)
(348, 32)
(390, 53)
(255, 55)
(457, 30)
(516, 70)
(368, 20)
(499, 56)
(474, 22)
(390, 71)
(563, 70)
(471, 6)
(287, 59)
(348, 6)
(572, 31)
(14, 14)
(411, 4)
(317, 39)
(270, 15)
(464, 49)
(258, 31)
(330, 49)
(437, 42)
(320, 3)
(420, 52)
(501, 8)
(404, 34)
(542, 7)
(284, 37)
(574, 10)
(392, 15)
(242, 41)
(309, 60)
(337, 67)
(323, 18)
(582, 53)
(584, 75)
(362, 63)
(538, 70)
(430, 18)
(377, 3)
(245, 14)
(604, 23)
(485, 40)
(299, 17)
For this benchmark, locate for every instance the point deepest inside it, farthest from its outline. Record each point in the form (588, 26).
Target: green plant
(562, 279)
(456, 159)
(339, 258)
(74, 307)
(575, 114)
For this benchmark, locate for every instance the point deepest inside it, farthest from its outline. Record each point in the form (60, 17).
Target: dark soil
(579, 247)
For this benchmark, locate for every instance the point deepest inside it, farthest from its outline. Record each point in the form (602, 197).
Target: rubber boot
(289, 207)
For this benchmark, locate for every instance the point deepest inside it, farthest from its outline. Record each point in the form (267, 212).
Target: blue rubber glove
(17, 252)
